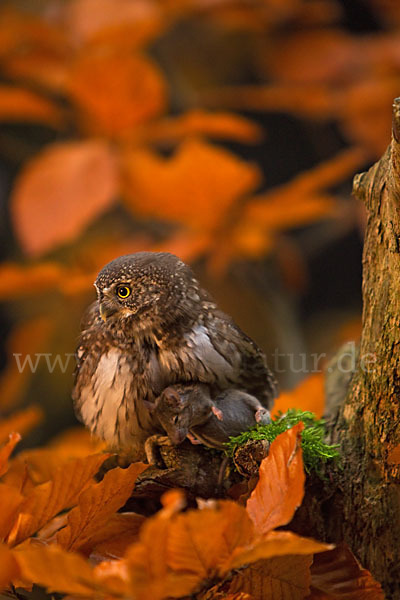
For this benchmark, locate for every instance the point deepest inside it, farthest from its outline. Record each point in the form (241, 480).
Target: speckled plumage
(168, 331)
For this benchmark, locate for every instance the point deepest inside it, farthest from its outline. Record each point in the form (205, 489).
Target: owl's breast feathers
(113, 378)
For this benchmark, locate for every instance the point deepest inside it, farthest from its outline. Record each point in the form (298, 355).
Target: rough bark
(365, 507)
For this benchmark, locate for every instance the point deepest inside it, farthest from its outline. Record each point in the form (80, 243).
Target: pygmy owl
(153, 326)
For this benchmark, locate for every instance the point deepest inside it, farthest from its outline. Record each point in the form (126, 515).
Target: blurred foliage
(224, 131)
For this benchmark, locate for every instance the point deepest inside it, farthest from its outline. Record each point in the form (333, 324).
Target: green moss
(315, 450)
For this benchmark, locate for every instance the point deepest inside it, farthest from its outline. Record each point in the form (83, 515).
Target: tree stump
(365, 505)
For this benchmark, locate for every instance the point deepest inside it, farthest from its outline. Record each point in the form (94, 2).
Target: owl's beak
(106, 310)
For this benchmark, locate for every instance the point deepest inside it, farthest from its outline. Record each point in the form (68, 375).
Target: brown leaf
(21, 422)
(280, 488)
(202, 541)
(61, 191)
(338, 574)
(100, 20)
(27, 338)
(9, 569)
(96, 504)
(10, 502)
(55, 569)
(221, 125)
(116, 91)
(48, 499)
(309, 394)
(17, 281)
(19, 104)
(275, 543)
(111, 540)
(281, 578)
(5, 451)
(211, 177)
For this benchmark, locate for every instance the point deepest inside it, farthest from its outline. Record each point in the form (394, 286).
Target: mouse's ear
(172, 398)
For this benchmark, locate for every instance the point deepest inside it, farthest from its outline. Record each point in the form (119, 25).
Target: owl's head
(148, 289)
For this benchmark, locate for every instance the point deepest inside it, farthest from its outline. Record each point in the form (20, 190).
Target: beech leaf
(60, 191)
(116, 91)
(6, 450)
(338, 574)
(97, 503)
(55, 569)
(48, 499)
(280, 578)
(9, 569)
(213, 178)
(280, 488)
(22, 422)
(18, 104)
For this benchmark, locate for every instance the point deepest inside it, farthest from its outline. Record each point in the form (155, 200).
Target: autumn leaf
(280, 488)
(10, 502)
(27, 338)
(280, 578)
(116, 91)
(55, 569)
(219, 125)
(191, 548)
(111, 540)
(19, 104)
(112, 21)
(96, 504)
(338, 574)
(212, 178)
(9, 568)
(22, 422)
(146, 567)
(19, 281)
(309, 394)
(46, 500)
(60, 191)
(6, 450)
(274, 543)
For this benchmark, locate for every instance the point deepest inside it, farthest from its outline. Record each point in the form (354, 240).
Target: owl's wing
(251, 371)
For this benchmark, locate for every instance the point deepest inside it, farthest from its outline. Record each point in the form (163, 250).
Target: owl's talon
(152, 448)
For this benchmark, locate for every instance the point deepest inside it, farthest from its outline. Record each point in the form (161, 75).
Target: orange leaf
(309, 394)
(6, 450)
(17, 281)
(44, 68)
(61, 191)
(116, 91)
(111, 540)
(10, 502)
(97, 503)
(22, 422)
(220, 125)
(338, 573)
(28, 338)
(212, 178)
(192, 549)
(280, 488)
(18, 104)
(274, 543)
(48, 499)
(8, 566)
(110, 20)
(281, 578)
(55, 569)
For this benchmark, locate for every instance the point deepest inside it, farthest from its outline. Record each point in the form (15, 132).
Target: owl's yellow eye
(123, 291)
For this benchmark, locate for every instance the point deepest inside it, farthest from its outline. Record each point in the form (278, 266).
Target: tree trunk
(368, 424)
